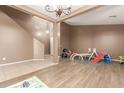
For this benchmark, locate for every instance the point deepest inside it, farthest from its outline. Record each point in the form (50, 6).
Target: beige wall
(105, 38)
(31, 24)
(16, 44)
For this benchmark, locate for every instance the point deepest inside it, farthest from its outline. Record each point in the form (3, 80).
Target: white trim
(38, 59)
(115, 60)
(16, 62)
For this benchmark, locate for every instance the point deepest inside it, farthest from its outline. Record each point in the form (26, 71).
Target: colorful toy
(105, 57)
(81, 55)
(98, 58)
(121, 59)
(93, 54)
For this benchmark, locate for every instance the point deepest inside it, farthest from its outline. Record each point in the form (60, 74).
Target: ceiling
(52, 15)
(100, 16)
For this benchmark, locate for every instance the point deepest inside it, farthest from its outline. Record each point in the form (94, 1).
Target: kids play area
(76, 46)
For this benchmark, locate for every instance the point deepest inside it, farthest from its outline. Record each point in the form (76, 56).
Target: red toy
(98, 58)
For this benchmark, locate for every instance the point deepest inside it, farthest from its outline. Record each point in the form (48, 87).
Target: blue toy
(107, 59)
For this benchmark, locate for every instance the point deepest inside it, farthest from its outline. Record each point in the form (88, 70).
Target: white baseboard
(18, 62)
(115, 60)
(38, 59)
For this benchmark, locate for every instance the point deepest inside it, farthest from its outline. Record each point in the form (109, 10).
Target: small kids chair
(121, 59)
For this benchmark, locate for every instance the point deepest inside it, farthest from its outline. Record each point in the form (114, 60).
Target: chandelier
(59, 9)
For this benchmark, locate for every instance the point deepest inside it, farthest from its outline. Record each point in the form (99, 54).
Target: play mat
(32, 82)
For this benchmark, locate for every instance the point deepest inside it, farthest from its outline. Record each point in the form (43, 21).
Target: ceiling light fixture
(59, 9)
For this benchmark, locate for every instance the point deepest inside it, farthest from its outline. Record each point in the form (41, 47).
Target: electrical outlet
(4, 58)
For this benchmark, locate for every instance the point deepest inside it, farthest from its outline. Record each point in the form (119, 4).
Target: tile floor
(8, 72)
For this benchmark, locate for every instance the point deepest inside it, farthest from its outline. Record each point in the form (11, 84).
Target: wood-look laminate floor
(77, 75)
